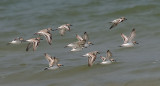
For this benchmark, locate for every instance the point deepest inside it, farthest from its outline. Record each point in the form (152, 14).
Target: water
(137, 66)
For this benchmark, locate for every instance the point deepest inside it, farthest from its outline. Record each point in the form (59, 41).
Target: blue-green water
(137, 66)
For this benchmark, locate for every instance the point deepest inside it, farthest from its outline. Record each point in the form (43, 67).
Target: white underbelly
(127, 45)
(106, 62)
(15, 42)
(53, 68)
(76, 49)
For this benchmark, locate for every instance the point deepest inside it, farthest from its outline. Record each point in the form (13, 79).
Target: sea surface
(136, 66)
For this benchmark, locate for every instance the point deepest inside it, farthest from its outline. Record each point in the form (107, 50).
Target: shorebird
(84, 38)
(91, 57)
(33, 42)
(17, 40)
(117, 21)
(46, 33)
(128, 41)
(107, 59)
(81, 43)
(53, 62)
(76, 46)
(63, 28)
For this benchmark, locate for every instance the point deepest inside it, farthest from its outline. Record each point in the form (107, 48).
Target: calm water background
(137, 66)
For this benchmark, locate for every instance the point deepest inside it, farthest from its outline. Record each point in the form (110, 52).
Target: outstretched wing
(48, 37)
(67, 27)
(124, 37)
(62, 31)
(91, 59)
(113, 25)
(79, 37)
(29, 46)
(35, 45)
(85, 36)
(133, 34)
(55, 61)
(108, 54)
(49, 59)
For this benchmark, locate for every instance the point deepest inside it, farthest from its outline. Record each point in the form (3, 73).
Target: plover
(91, 57)
(107, 59)
(33, 42)
(81, 43)
(53, 62)
(46, 33)
(63, 28)
(84, 38)
(117, 21)
(128, 41)
(17, 40)
(76, 46)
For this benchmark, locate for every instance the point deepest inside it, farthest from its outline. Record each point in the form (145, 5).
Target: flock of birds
(81, 43)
